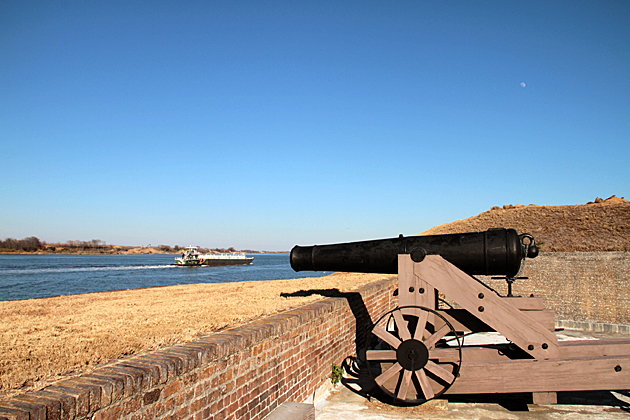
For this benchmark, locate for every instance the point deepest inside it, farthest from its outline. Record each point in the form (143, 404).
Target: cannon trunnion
(417, 351)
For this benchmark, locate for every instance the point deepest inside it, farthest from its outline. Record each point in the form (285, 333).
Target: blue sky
(265, 124)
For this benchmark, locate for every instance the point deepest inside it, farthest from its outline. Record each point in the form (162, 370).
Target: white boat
(192, 258)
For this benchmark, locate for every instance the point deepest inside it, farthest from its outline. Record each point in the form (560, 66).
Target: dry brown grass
(42, 340)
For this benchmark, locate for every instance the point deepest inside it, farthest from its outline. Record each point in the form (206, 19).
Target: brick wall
(246, 372)
(587, 287)
(242, 373)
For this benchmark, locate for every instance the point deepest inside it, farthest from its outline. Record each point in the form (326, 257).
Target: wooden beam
(507, 376)
(526, 303)
(594, 348)
(483, 303)
(463, 321)
(412, 291)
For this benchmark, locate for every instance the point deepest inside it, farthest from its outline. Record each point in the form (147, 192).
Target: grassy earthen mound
(602, 225)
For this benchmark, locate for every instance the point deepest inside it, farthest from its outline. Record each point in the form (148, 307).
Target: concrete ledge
(293, 411)
(593, 326)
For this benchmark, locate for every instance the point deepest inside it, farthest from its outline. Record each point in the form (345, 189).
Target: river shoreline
(123, 250)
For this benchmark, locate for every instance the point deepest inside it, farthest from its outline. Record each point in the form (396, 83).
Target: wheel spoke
(403, 331)
(422, 323)
(430, 342)
(381, 354)
(424, 384)
(439, 371)
(388, 374)
(387, 337)
(404, 385)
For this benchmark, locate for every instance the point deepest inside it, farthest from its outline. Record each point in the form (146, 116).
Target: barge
(192, 258)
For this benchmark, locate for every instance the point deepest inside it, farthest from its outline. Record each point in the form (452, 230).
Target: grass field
(43, 340)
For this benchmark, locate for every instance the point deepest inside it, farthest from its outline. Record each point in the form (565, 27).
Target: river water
(36, 276)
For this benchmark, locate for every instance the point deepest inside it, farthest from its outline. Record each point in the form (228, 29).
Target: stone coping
(593, 326)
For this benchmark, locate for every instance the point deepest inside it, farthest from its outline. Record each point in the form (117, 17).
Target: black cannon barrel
(493, 252)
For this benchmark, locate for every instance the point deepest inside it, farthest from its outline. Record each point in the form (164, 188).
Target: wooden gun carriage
(418, 351)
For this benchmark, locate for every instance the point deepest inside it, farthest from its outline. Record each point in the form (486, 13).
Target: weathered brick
(107, 389)
(181, 413)
(135, 381)
(12, 413)
(177, 359)
(151, 396)
(159, 409)
(191, 378)
(94, 391)
(220, 344)
(172, 363)
(207, 413)
(205, 352)
(198, 404)
(188, 358)
(200, 390)
(36, 411)
(68, 402)
(263, 412)
(141, 376)
(240, 412)
(172, 388)
(219, 415)
(53, 406)
(170, 404)
(109, 413)
(207, 371)
(161, 365)
(131, 405)
(150, 372)
(214, 395)
(80, 396)
(117, 381)
(231, 409)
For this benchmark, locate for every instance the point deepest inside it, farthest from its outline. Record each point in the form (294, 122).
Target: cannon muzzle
(493, 252)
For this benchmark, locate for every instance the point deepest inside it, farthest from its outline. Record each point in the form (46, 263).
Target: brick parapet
(241, 373)
(582, 287)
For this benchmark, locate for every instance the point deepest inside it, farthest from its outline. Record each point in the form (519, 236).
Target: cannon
(416, 351)
(493, 252)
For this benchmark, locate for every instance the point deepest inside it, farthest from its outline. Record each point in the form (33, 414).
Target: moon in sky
(523, 84)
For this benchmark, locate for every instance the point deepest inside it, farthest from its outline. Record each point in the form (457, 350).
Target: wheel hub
(412, 355)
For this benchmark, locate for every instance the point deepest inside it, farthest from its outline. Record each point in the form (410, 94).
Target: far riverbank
(126, 250)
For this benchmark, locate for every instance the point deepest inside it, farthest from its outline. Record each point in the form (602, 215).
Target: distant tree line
(34, 244)
(27, 244)
(93, 244)
(166, 248)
